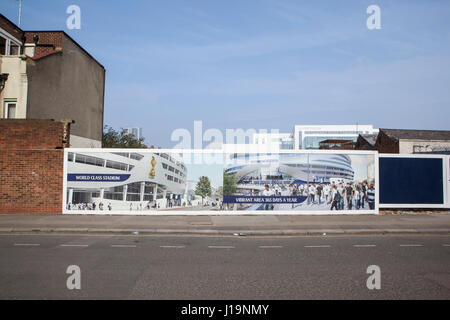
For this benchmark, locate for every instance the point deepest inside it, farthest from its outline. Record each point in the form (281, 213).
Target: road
(140, 267)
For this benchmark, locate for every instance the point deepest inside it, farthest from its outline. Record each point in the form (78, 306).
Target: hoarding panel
(447, 166)
(149, 181)
(412, 181)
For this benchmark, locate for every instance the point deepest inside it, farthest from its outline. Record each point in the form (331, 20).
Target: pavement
(184, 267)
(228, 225)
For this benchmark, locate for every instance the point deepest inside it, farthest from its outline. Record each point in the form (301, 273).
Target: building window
(116, 165)
(10, 110)
(136, 156)
(2, 46)
(14, 50)
(9, 47)
(80, 158)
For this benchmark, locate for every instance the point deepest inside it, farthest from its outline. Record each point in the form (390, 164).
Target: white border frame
(238, 149)
(445, 178)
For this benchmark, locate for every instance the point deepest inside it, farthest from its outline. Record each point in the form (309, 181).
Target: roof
(401, 134)
(13, 28)
(18, 29)
(370, 138)
(37, 57)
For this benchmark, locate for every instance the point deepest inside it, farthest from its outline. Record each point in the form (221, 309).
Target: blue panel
(97, 177)
(411, 181)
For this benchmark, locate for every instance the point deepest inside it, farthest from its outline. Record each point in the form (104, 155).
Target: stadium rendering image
(292, 181)
(125, 181)
(287, 168)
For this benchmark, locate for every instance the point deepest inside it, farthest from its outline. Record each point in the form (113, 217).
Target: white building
(309, 136)
(136, 131)
(284, 141)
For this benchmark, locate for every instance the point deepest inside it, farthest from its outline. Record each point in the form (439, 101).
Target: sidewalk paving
(264, 225)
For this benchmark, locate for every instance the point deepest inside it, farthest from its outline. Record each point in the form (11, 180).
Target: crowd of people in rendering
(89, 206)
(339, 196)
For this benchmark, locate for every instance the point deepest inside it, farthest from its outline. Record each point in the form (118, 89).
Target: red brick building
(413, 141)
(366, 142)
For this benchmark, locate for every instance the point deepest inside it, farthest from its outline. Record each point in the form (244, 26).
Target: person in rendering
(363, 196)
(349, 196)
(357, 197)
(109, 206)
(100, 206)
(327, 191)
(371, 197)
(335, 198)
(341, 191)
(311, 193)
(319, 193)
(267, 193)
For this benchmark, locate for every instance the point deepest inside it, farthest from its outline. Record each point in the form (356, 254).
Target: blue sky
(208, 165)
(267, 64)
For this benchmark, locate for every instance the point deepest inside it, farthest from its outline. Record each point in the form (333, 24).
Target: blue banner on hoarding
(411, 180)
(264, 199)
(84, 177)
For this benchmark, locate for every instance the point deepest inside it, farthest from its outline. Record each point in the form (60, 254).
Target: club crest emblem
(152, 171)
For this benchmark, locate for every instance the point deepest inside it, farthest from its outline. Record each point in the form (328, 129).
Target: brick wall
(45, 37)
(21, 134)
(31, 165)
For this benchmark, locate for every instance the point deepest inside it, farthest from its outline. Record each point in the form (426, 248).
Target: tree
(229, 184)
(116, 139)
(203, 187)
(220, 192)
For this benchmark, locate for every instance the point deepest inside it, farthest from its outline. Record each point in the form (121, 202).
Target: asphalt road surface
(140, 267)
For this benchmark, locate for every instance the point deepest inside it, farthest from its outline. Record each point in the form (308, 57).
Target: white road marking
(270, 247)
(323, 246)
(411, 245)
(122, 246)
(221, 247)
(173, 247)
(27, 244)
(446, 245)
(74, 245)
(364, 245)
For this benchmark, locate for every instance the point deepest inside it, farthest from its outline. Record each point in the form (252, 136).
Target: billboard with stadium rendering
(156, 181)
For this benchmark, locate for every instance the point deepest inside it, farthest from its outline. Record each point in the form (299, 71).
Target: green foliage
(229, 184)
(220, 192)
(203, 187)
(116, 139)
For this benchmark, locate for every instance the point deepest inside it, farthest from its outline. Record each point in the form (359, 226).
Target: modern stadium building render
(124, 179)
(287, 168)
